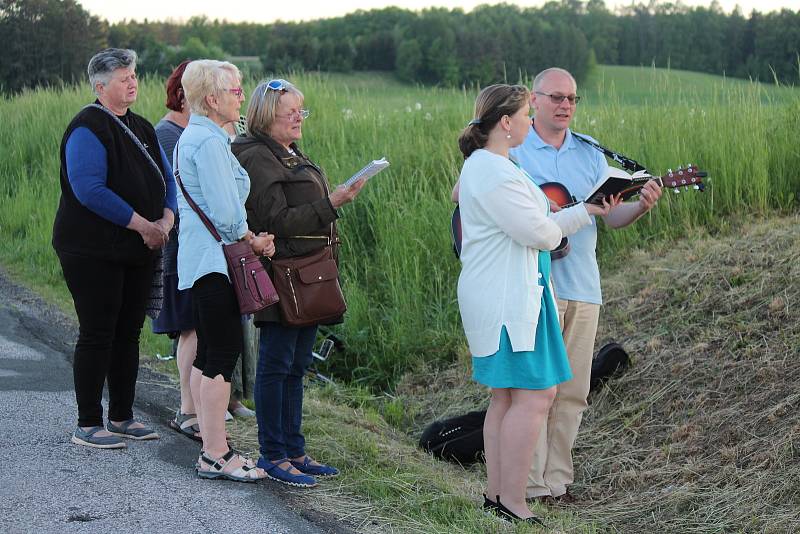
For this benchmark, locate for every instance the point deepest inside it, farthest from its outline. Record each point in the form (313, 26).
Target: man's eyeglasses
(556, 98)
(238, 91)
(279, 85)
(300, 113)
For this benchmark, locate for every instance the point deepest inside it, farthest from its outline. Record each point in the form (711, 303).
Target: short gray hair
(264, 105)
(104, 63)
(539, 80)
(204, 77)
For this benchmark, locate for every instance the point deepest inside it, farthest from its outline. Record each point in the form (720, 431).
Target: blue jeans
(284, 354)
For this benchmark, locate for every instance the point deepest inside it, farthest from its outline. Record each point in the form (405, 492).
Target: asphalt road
(48, 484)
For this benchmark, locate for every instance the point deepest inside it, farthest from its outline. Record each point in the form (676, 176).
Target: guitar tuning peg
(696, 187)
(669, 171)
(680, 167)
(677, 190)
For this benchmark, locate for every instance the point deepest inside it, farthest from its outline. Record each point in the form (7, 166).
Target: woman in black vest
(116, 209)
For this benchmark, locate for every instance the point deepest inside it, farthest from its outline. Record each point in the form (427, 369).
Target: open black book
(618, 181)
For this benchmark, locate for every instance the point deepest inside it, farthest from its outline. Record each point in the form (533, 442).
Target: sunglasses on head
(279, 85)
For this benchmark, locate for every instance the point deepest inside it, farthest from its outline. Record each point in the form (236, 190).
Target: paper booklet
(371, 169)
(618, 181)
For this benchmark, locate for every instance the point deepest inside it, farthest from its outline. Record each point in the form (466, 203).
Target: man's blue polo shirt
(578, 166)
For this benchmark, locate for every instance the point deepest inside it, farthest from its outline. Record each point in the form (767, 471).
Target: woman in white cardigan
(505, 297)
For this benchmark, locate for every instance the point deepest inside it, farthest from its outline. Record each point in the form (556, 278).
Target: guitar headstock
(691, 176)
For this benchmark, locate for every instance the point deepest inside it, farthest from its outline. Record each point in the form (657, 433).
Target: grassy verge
(387, 484)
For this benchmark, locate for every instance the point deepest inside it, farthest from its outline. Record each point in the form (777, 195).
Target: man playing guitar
(551, 153)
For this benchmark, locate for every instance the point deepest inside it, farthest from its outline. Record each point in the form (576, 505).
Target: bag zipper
(258, 289)
(294, 295)
(244, 273)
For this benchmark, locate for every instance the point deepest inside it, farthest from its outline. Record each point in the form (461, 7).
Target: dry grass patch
(702, 434)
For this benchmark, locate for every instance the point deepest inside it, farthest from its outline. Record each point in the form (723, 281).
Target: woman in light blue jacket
(219, 186)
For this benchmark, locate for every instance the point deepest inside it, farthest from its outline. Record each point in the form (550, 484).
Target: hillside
(702, 434)
(648, 85)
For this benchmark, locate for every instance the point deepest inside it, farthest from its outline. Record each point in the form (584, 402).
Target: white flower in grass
(408, 109)
(428, 117)
(348, 113)
(622, 121)
(592, 122)
(418, 106)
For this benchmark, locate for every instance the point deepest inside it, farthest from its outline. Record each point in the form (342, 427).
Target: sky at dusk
(296, 10)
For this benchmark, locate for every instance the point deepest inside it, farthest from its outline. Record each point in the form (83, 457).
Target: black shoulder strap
(135, 140)
(627, 163)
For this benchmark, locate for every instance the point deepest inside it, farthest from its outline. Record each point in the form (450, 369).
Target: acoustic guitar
(560, 195)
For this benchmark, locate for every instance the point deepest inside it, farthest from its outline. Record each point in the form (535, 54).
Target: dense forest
(49, 41)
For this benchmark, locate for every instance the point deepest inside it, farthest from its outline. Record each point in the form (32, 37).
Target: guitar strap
(627, 163)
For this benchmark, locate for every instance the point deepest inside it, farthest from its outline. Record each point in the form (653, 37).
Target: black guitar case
(460, 439)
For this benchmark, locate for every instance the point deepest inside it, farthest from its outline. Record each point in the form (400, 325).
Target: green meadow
(398, 268)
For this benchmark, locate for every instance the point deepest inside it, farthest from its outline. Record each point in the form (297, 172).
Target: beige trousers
(552, 470)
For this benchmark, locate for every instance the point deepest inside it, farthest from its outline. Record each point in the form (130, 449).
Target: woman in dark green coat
(289, 197)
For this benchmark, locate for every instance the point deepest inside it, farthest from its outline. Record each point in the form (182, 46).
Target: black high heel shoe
(508, 515)
(489, 506)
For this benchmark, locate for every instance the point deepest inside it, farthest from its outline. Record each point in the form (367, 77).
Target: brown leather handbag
(308, 287)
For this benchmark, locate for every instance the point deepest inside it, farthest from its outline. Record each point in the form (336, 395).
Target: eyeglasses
(557, 99)
(238, 91)
(300, 113)
(279, 85)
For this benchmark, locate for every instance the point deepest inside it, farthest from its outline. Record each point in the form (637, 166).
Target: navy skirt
(176, 311)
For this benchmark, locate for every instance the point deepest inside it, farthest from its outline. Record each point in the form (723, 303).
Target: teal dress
(541, 368)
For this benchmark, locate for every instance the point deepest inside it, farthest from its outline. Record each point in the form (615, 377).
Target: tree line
(48, 41)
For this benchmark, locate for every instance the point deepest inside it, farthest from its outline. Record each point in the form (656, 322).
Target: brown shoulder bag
(308, 286)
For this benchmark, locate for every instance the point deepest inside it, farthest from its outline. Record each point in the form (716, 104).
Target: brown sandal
(186, 424)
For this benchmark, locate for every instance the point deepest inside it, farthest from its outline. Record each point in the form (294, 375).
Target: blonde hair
(205, 77)
(493, 103)
(263, 106)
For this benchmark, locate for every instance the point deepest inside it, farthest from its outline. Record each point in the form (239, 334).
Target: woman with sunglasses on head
(219, 186)
(290, 198)
(505, 297)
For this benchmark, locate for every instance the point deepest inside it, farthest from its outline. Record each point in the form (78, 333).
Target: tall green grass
(398, 268)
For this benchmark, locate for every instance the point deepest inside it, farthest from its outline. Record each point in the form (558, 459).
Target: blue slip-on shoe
(285, 476)
(89, 438)
(320, 470)
(124, 430)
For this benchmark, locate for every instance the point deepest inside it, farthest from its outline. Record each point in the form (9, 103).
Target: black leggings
(110, 301)
(219, 326)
